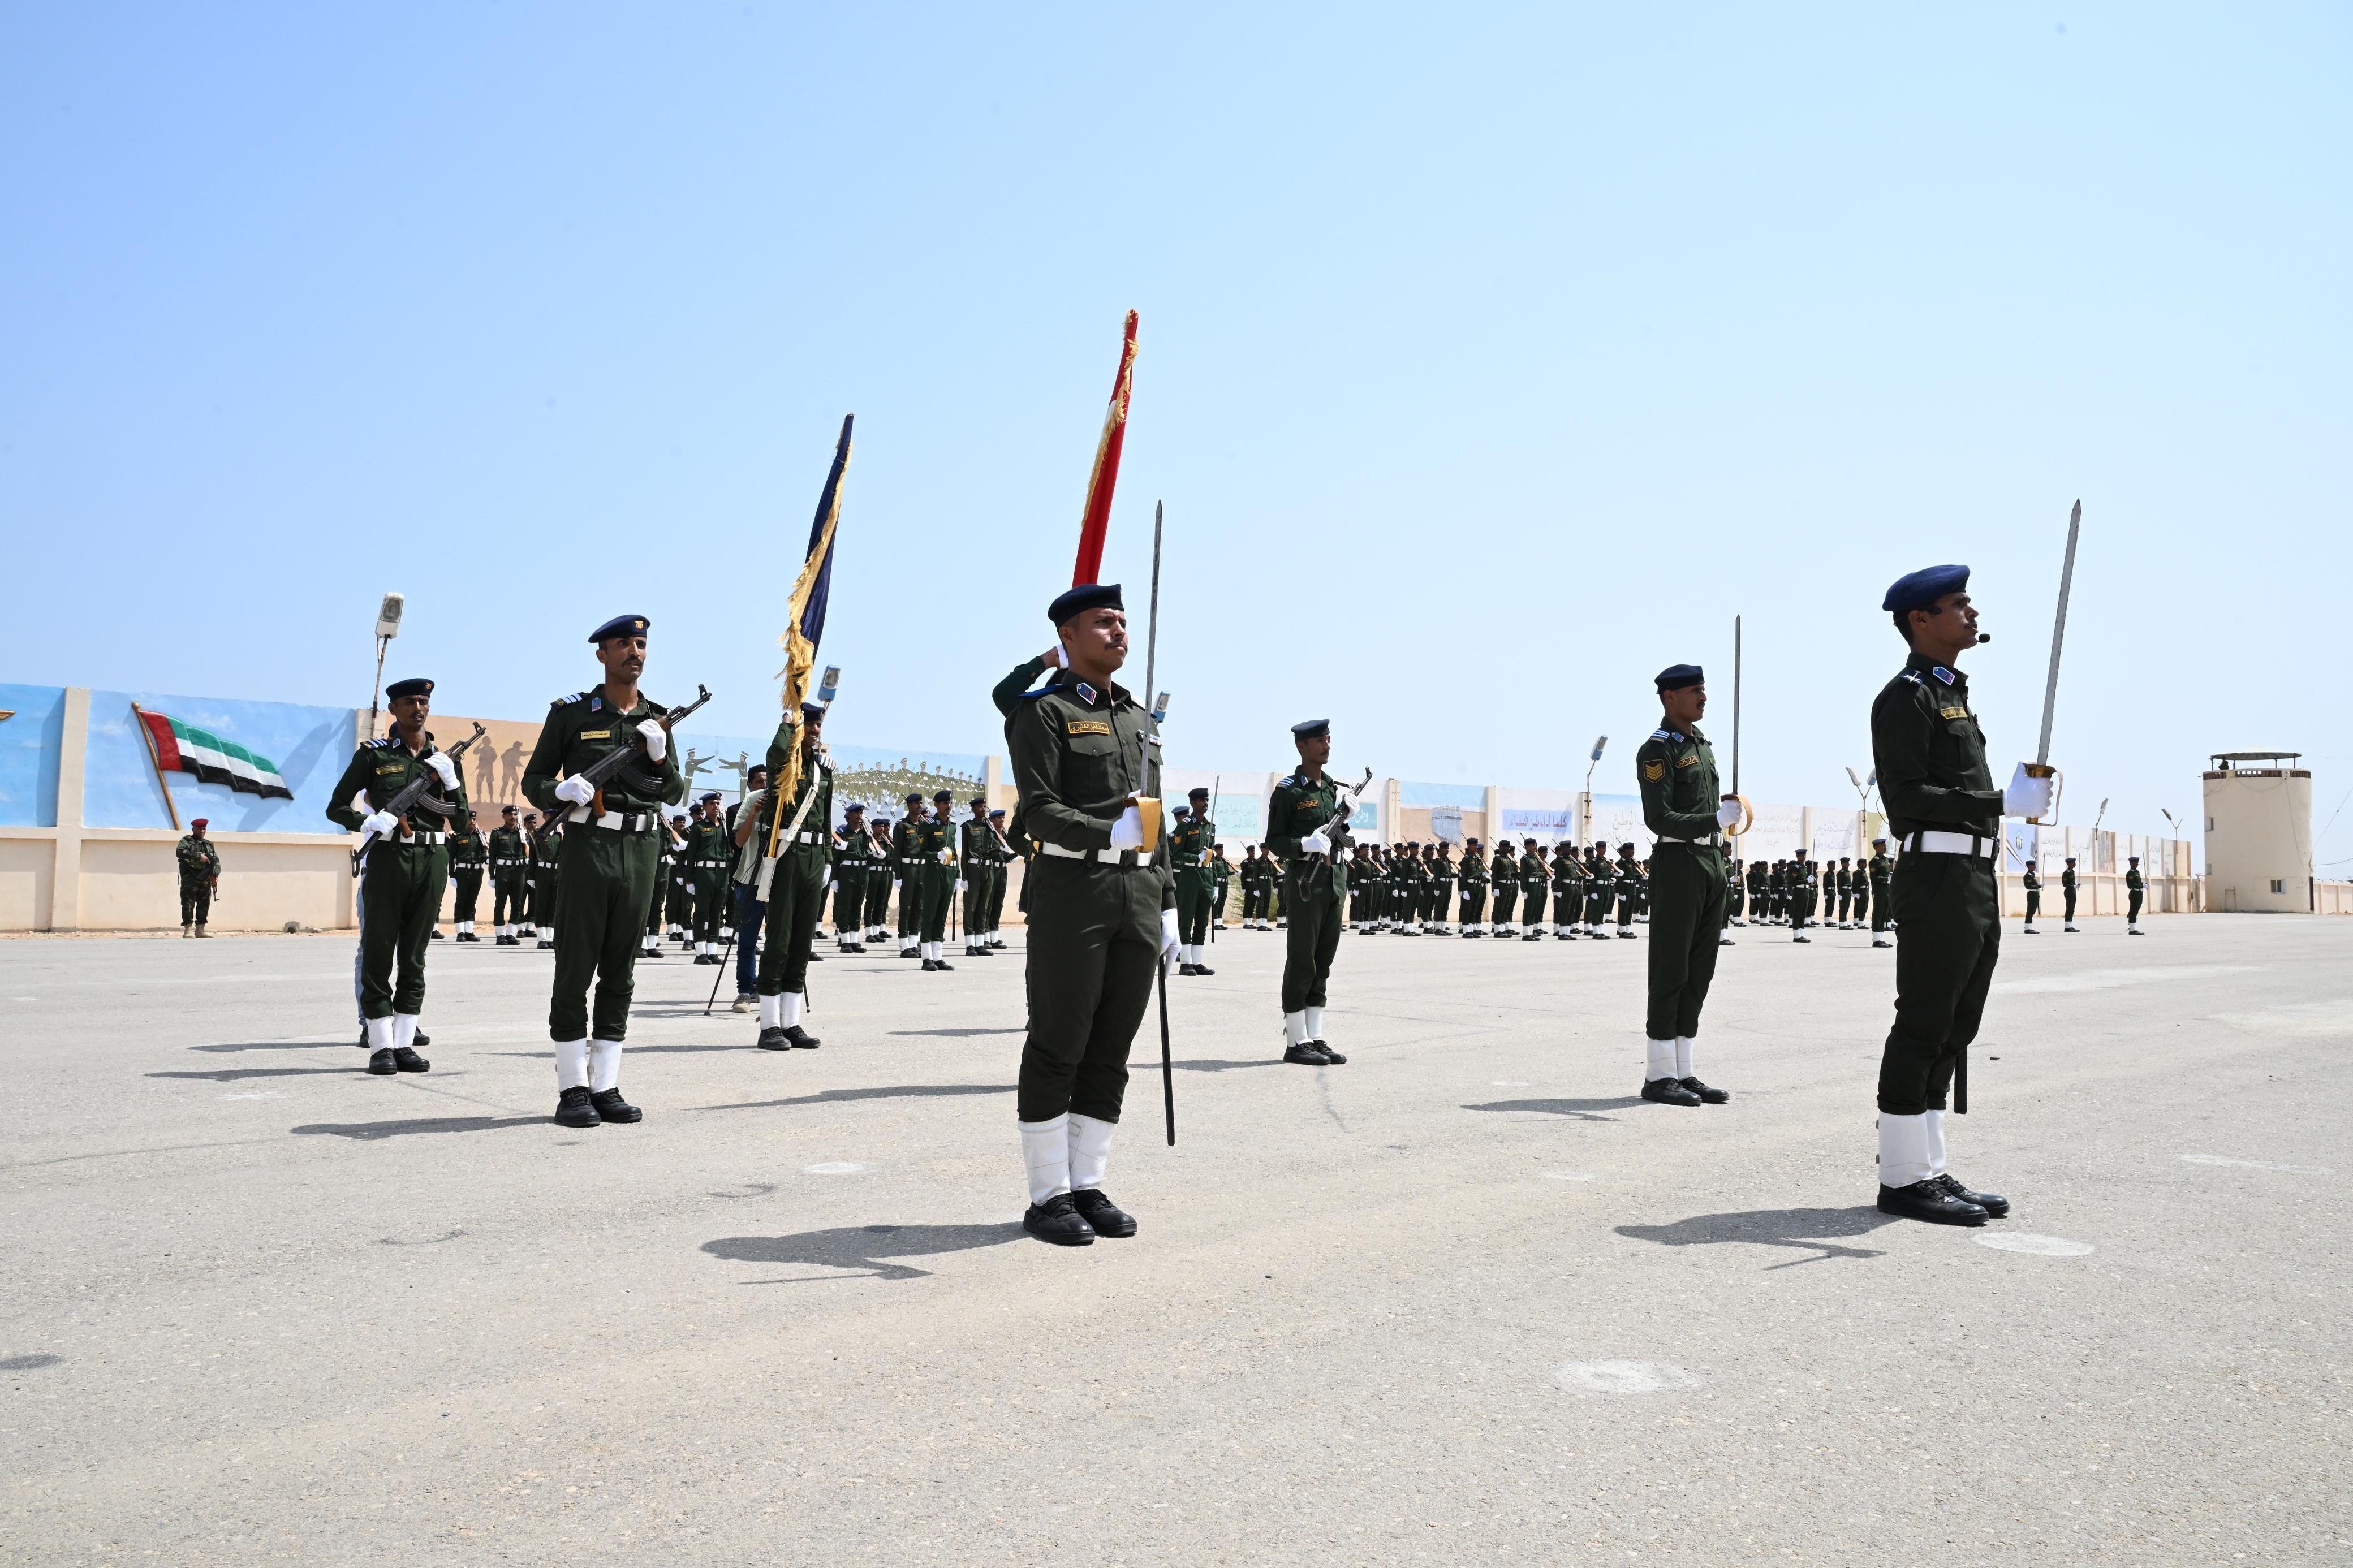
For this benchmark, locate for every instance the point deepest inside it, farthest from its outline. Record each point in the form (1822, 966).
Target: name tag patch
(1952, 713)
(1089, 727)
(1690, 759)
(596, 734)
(389, 768)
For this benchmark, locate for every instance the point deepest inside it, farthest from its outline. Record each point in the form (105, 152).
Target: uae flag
(183, 748)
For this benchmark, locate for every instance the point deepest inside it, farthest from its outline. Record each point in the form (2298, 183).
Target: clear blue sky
(1492, 359)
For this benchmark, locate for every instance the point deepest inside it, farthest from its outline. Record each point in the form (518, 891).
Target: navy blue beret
(1084, 598)
(417, 685)
(979, 801)
(853, 806)
(995, 814)
(620, 627)
(945, 795)
(914, 798)
(1680, 675)
(814, 709)
(1197, 794)
(1312, 728)
(710, 795)
(1920, 590)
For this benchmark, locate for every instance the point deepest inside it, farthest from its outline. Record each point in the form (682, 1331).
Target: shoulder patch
(380, 745)
(1661, 735)
(1655, 771)
(567, 700)
(1941, 673)
(1911, 675)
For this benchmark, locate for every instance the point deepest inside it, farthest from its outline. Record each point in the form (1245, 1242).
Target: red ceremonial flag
(1096, 520)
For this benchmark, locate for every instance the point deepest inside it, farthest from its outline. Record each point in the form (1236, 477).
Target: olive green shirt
(1931, 754)
(1080, 752)
(382, 769)
(584, 728)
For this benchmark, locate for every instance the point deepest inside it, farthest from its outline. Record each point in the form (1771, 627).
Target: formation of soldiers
(1115, 899)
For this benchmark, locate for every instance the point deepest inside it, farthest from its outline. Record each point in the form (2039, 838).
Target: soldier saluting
(402, 875)
(1946, 816)
(1685, 809)
(1102, 908)
(607, 872)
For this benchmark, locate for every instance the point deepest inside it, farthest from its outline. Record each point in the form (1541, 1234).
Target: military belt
(1935, 843)
(614, 821)
(406, 838)
(1713, 841)
(1117, 857)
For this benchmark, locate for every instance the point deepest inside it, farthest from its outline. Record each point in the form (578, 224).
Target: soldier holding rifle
(1946, 816)
(1685, 809)
(607, 872)
(1307, 830)
(402, 868)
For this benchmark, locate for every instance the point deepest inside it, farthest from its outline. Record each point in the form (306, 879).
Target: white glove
(830, 887)
(1344, 857)
(657, 737)
(576, 790)
(894, 883)
(1167, 940)
(380, 824)
(2027, 796)
(1054, 657)
(1127, 833)
(443, 769)
(1727, 814)
(959, 887)
(1315, 843)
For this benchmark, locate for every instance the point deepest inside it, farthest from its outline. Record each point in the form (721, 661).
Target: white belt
(1713, 841)
(422, 838)
(1952, 844)
(1117, 857)
(617, 821)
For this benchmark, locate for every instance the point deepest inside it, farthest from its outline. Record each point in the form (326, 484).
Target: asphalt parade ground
(1465, 1299)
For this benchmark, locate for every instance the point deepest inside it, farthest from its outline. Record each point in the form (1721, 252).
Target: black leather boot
(1059, 1221)
(1668, 1091)
(1994, 1203)
(1927, 1200)
(1103, 1216)
(573, 1109)
(611, 1107)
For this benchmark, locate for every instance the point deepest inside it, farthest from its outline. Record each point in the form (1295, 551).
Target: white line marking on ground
(2028, 1241)
(1624, 1376)
(264, 1094)
(1511, 1083)
(2254, 1165)
(1568, 1175)
(834, 1168)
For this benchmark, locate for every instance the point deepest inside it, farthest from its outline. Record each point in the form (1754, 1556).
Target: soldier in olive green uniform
(1102, 908)
(606, 874)
(1801, 898)
(936, 847)
(2033, 881)
(907, 876)
(1306, 832)
(853, 863)
(977, 846)
(405, 868)
(1602, 887)
(467, 860)
(791, 882)
(2135, 890)
(999, 877)
(546, 867)
(1474, 888)
(710, 856)
(1882, 881)
(509, 875)
(1947, 815)
(1686, 807)
(1190, 849)
(1568, 892)
(1507, 889)
(1442, 875)
(199, 865)
(2067, 893)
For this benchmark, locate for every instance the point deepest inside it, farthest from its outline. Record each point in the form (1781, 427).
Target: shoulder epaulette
(380, 745)
(564, 701)
(1663, 735)
(1913, 676)
(1287, 781)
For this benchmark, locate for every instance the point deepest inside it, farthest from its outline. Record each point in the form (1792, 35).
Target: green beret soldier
(1103, 908)
(605, 876)
(1947, 814)
(199, 865)
(404, 869)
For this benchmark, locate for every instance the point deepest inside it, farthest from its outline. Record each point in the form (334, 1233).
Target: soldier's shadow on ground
(893, 1091)
(1209, 1065)
(233, 1075)
(276, 1045)
(364, 1132)
(1583, 1109)
(1807, 1230)
(855, 1249)
(953, 1033)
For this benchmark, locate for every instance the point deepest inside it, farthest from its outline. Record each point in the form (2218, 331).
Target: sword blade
(2059, 636)
(1736, 704)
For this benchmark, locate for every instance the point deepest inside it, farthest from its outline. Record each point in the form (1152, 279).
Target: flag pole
(1151, 662)
(155, 759)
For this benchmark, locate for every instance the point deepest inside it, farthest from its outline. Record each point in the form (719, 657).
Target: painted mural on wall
(220, 773)
(29, 738)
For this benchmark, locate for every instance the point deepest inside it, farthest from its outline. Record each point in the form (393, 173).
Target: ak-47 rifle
(620, 765)
(1336, 829)
(423, 794)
